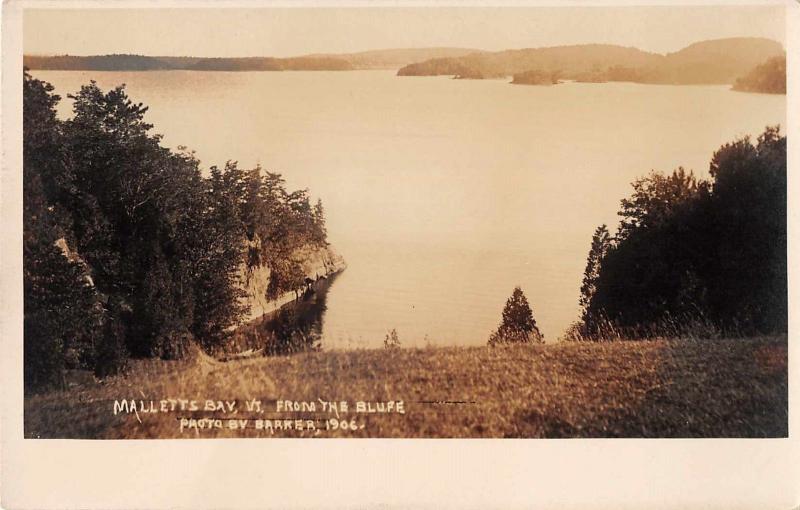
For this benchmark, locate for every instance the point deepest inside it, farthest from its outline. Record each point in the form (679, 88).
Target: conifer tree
(601, 242)
(518, 324)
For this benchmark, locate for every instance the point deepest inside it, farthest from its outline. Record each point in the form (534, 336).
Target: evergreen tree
(601, 242)
(518, 324)
(318, 217)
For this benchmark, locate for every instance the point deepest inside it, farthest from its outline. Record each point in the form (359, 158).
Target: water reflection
(297, 327)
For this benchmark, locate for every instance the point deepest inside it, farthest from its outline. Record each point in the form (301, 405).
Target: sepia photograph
(455, 221)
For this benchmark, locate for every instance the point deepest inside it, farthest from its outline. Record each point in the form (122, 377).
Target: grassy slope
(711, 388)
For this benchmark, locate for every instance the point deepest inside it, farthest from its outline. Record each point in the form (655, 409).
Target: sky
(282, 32)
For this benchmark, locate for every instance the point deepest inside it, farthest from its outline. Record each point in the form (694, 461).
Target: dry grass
(660, 388)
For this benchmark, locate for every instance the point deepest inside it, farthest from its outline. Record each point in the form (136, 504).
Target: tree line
(127, 62)
(695, 256)
(129, 250)
(691, 257)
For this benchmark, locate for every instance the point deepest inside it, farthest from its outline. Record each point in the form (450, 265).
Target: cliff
(316, 262)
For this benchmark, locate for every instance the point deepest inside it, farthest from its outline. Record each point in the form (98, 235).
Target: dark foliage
(61, 320)
(601, 242)
(690, 252)
(129, 249)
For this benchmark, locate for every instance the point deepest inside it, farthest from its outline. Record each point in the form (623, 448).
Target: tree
(652, 270)
(748, 280)
(62, 315)
(286, 275)
(221, 238)
(656, 197)
(518, 324)
(688, 251)
(318, 218)
(150, 251)
(601, 242)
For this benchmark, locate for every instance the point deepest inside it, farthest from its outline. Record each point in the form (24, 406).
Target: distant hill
(768, 78)
(97, 63)
(376, 59)
(720, 61)
(271, 64)
(397, 58)
(145, 63)
(569, 60)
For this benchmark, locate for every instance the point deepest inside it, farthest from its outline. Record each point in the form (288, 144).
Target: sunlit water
(444, 194)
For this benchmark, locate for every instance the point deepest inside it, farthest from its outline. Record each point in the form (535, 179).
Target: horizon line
(334, 55)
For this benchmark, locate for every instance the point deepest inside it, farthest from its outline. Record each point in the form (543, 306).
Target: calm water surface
(444, 194)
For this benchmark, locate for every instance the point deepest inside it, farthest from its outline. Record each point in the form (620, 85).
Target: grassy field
(661, 388)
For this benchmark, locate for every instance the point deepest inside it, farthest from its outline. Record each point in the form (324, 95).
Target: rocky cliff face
(317, 262)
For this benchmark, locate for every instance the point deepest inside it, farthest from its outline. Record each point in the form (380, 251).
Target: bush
(392, 341)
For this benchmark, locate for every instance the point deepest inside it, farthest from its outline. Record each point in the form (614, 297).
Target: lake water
(444, 194)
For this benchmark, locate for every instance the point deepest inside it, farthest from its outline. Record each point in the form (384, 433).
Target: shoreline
(316, 262)
(251, 337)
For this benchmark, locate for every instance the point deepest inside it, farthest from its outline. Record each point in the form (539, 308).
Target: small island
(536, 77)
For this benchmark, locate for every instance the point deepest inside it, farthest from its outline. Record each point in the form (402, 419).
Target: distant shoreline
(391, 59)
(507, 80)
(749, 63)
